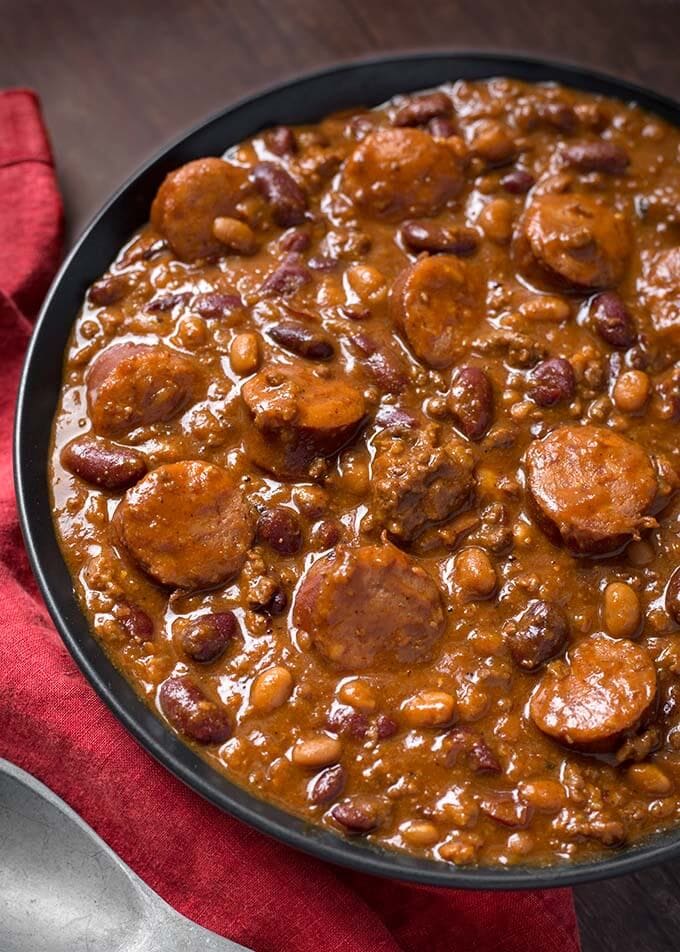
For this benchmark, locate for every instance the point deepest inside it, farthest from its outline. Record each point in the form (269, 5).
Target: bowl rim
(32, 491)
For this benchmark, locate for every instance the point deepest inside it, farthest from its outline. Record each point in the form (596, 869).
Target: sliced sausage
(299, 416)
(370, 606)
(191, 713)
(103, 463)
(131, 385)
(662, 290)
(590, 487)
(189, 201)
(572, 240)
(420, 482)
(401, 173)
(431, 301)
(186, 524)
(606, 691)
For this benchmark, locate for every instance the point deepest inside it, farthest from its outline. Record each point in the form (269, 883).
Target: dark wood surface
(117, 80)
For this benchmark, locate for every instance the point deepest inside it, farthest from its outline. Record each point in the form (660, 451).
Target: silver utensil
(62, 889)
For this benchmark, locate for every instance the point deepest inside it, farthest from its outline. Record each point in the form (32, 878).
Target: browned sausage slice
(403, 173)
(420, 483)
(662, 290)
(189, 201)
(370, 606)
(431, 302)
(186, 524)
(603, 693)
(590, 487)
(299, 416)
(573, 240)
(131, 385)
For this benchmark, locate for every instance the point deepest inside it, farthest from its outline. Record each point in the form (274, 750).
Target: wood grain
(119, 80)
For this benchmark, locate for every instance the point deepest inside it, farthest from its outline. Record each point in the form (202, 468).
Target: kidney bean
(506, 808)
(323, 263)
(596, 156)
(420, 109)
(386, 726)
(518, 182)
(166, 302)
(672, 600)
(136, 624)
(215, 304)
(382, 365)
(103, 463)
(289, 277)
(612, 320)
(296, 240)
(207, 637)
(441, 127)
(347, 722)
(558, 115)
(108, 290)
(328, 785)
(470, 401)
(280, 190)
(395, 417)
(309, 342)
(281, 140)
(327, 534)
(357, 815)
(540, 633)
(280, 529)
(276, 603)
(426, 236)
(481, 758)
(191, 712)
(552, 381)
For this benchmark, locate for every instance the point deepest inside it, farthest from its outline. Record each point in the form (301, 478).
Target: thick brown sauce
(465, 774)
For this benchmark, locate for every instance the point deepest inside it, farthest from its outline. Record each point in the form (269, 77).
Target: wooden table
(117, 80)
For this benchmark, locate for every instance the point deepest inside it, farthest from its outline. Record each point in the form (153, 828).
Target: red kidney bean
(328, 785)
(191, 712)
(276, 604)
(136, 624)
(346, 722)
(518, 182)
(386, 726)
(308, 342)
(281, 140)
(441, 127)
(540, 633)
(207, 637)
(215, 304)
(355, 312)
(323, 263)
(470, 402)
(395, 418)
(672, 600)
(327, 534)
(506, 808)
(596, 156)
(558, 115)
(288, 278)
(426, 236)
(612, 320)
(552, 381)
(420, 109)
(357, 815)
(296, 240)
(280, 529)
(280, 190)
(384, 367)
(166, 302)
(102, 463)
(108, 290)
(481, 758)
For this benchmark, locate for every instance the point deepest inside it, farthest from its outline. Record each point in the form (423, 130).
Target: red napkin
(206, 864)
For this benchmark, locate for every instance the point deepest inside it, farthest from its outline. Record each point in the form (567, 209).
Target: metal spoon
(63, 890)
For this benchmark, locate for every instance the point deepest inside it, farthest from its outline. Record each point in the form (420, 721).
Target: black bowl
(302, 100)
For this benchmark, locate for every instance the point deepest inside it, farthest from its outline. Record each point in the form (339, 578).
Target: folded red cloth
(204, 863)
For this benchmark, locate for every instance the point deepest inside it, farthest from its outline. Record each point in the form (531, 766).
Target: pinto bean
(475, 573)
(358, 815)
(280, 528)
(470, 401)
(279, 189)
(244, 353)
(631, 391)
(612, 320)
(317, 750)
(271, 689)
(621, 610)
(604, 693)
(309, 342)
(236, 236)
(597, 155)
(552, 381)
(429, 709)
(418, 110)
(493, 143)
(328, 785)
(437, 239)
(192, 713)
(539, 634)
(672, 598)
(207, 637)
(103, 463)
